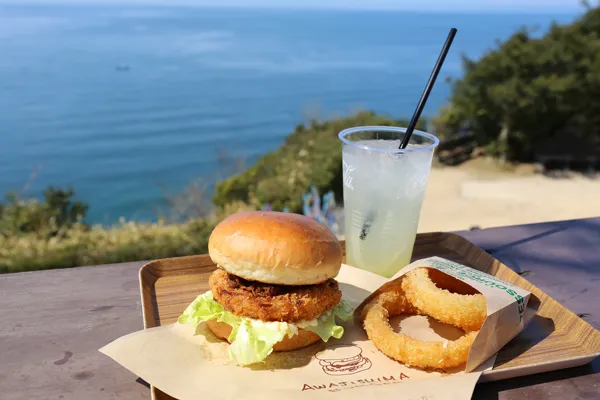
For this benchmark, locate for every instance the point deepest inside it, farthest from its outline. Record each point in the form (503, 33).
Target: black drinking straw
(428, 87)
(415, 118)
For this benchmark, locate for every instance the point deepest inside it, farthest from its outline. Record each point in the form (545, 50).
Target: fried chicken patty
(273, 302)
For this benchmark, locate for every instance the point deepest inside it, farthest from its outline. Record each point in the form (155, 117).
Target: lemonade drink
(383, 193)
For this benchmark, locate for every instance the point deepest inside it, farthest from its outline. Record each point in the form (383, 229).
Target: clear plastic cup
(384, 188)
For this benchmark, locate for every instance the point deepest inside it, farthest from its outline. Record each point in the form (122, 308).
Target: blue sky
(441, 5)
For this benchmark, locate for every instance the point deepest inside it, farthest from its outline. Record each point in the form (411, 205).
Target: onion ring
(450, 283)
(465, 311)
(403, 348)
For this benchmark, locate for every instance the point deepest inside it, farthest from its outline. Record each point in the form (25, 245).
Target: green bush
(311, 155)
(77, 244)
(81, 245)
(58, 211)
(529, 90)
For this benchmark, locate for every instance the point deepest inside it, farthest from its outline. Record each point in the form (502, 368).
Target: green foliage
(311, 155)
(32, 239)
(58, 211)
(529, 90)
(97, 245)
(444, 124)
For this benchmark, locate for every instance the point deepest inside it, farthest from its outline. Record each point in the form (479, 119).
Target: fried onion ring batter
(403, 348)
(273, 302)
(426, 290)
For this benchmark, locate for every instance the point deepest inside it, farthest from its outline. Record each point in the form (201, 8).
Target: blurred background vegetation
(311, 155)
(529, 92)
(514, 103)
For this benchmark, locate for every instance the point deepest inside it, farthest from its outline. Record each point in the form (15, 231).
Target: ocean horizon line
(536, 10)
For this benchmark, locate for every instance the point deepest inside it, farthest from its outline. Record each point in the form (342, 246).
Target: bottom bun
(302, 339)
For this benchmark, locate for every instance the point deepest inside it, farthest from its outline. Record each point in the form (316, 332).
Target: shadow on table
(492, 390)
(526, 239)
(159, 394)
(538, 329)
(143, 382)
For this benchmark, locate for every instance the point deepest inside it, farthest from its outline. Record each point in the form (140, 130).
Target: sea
(129, 104)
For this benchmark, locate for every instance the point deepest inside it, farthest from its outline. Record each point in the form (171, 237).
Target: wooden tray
(555, 339)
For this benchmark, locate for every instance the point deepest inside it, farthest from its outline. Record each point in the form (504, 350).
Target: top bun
(275, 247)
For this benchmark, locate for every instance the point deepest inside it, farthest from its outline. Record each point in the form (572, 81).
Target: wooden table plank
(563, 259)
(574, 383)
(53, 322)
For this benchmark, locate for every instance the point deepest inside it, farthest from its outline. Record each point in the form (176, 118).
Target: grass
(79, 246)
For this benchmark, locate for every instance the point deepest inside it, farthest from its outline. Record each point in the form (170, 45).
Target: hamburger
(342, 360)
(274, 286)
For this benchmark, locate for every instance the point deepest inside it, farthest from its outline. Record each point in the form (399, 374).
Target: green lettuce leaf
(325, 326)
(252, 340)
(253, 343)
(205, 308)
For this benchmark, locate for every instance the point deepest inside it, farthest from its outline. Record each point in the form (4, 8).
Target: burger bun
(276, 248)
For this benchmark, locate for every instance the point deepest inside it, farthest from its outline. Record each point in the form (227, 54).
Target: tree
(57, 212)
(529, 90)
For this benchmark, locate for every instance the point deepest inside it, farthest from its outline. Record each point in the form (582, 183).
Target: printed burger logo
(342, 360)
(339, 360)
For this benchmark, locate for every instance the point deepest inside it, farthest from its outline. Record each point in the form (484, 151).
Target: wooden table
(53, 322)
